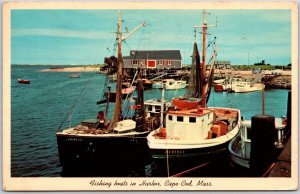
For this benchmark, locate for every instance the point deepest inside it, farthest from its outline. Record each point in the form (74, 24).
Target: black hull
(184, 162)
(101, 153)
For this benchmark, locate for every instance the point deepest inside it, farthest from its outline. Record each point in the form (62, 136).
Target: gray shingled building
(153, 59)
(222, 65)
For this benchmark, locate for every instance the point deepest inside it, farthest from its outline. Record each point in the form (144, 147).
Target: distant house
(222, 65)
(153, 59)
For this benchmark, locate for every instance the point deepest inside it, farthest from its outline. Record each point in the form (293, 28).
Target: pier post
(289, 114)
(262, 144)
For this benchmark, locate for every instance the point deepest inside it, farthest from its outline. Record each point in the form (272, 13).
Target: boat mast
(203, 65)
(117, 115)
(162, 106)
(204, 79)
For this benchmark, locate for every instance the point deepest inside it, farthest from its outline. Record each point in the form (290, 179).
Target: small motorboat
(77, 75)
(23, 81)
(240, 146)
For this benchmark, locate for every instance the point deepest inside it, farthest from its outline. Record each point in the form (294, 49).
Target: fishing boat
(153, 107)
(240, 146)
(23, 81)
(170, 84)
(239, 85)
(193, 133)
(104, 142)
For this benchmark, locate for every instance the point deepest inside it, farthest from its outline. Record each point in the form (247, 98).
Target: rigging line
(75, 103)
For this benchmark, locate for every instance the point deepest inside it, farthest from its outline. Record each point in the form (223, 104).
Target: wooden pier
(282, 166)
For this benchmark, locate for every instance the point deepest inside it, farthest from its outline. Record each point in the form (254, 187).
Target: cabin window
(157, 108)
(179, 119)
(149, 108)
(170, 118)
(192, 119)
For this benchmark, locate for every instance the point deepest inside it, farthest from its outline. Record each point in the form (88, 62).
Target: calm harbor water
(38, 109)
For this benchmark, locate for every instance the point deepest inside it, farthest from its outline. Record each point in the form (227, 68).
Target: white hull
(240, 147)
(178, 85)
(236, 156)
(255, 87)
(174, 143)
(188, 144)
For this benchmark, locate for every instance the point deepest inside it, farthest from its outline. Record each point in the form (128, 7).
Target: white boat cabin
(125, 126)
(153, 107)
(189, 124)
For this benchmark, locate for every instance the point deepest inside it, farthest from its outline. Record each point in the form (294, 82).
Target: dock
(282, 166)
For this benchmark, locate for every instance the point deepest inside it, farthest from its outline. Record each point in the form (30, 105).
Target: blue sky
(83, 36)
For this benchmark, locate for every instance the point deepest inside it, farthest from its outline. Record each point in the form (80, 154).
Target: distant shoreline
(72, 69)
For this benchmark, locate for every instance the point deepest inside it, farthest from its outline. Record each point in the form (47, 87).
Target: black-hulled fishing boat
(108, 142)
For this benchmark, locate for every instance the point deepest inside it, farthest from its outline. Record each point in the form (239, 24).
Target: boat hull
(99, 151)
(177, 162)
(235, 153)
(218, 88)
(239, 89)
(24, 81)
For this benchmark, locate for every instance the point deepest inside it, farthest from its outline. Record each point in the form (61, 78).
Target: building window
(169, 62)
(179, 119)
(157, 108)
(192, 119)
(149, 108)
(135, 62)
(160, 62)
(170, 118)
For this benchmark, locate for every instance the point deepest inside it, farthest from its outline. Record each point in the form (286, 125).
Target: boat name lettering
(174, 151)
(74, 139)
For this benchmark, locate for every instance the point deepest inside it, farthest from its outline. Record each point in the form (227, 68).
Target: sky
(83, 37)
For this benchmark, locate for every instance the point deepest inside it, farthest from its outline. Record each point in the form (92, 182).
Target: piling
(289, 114)
(262, 144)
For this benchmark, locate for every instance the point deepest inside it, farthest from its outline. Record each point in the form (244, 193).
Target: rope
(189, 170)
(72, 109)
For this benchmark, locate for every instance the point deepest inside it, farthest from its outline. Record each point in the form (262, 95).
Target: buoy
(262, 143)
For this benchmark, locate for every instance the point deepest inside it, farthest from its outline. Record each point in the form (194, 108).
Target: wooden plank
(282, 167)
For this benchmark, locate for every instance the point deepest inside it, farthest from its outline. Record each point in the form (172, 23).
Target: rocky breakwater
(280, 82)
